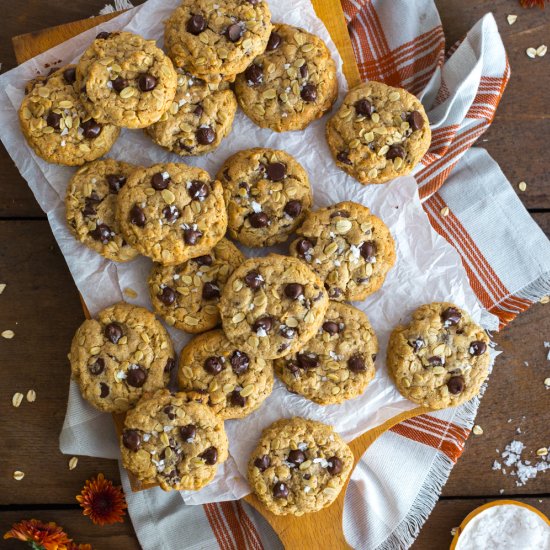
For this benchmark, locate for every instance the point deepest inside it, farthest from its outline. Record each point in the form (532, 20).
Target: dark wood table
(41, 305)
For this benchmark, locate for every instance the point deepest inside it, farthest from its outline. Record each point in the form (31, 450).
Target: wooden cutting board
(321, 530)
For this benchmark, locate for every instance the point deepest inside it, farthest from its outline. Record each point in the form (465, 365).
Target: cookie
(378, 133)
(291, 84)
(213, 39)
(56, 125)
(198, 119)
(172, 212)
(337, 363)
(271, 306)
(441, 358)
(118, 356)
(173, 440)
(348, 247)
(125, 80)
(299, 466)
(91, 208)
(187, 295)
(266, 193)
(235, 382)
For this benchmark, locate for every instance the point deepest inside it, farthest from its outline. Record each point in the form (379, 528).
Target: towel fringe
(119, 6)
(537, 289)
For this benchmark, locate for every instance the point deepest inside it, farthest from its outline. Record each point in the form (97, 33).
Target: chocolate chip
(263, 463)
(113, 332)
(167, 296)
(199, 110)
(234, 32)
(307, 360)
(98, 367)
(239, 362)
(276, 171)
(331, 327)
(116, 182)
(69, 75)
(205, 135)
(254, 75)
(287, 332)
(293, 367)
(210, 456)
(244, 186)
(131, 440)
(340, 214)
(196, 24)
(136, 377)
(294, 291)
(280, 490)
(303, 246)
(309, 93)
(274, 42)
(213, 365)
(395, 151)
(159, 182)
(478, 347)
(90, 204)
(137, 216)
(296, 457)
(210, 291)
(103, 35)
(263, 323)
(171, 213)
(104, 390)
(198, 190)
(307, 477)
(147, 82)
(253, 280)
(191, 236)
(170, 364)
(53, 120)
(169, 412)
(119, 84)
(91, 129)
(293, 208)
(368, 251)
(356, 364)
(304, 72)
(415, 120)
(456, 385)
(333, 291)
(102, 233)
(364, 107)
(334, 465)
(435, 361)
(258, 220)
(451, 317)
(188, 432)
(343, 157)
(236, 399)
(417, 344)
(373, 357)
(204, 260)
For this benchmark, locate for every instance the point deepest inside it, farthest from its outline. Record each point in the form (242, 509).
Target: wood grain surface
(41, 305)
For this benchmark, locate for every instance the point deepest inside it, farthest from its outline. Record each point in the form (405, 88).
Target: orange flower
(79, 547)
(40, 535)
(532, 3)
(102, 501)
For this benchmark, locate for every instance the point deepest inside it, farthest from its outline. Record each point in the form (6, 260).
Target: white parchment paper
(427, 268)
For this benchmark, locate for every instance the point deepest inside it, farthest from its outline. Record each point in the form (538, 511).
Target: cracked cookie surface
(267, 195)
(338, 362)
(174, 440)
(291, 84)
(271, 306)
(118, 356)
(198, 119)
(172, 212)
(234, 382)
(210, 38)
(348, 247)
(299, 466)
(57, 126)
(187, 295)
(125, 80)
(91, 208)
(378, 133)
(441, 358)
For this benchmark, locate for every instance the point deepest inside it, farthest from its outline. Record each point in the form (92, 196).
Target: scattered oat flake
(73, 463)
(541, 50)
(18, 475)
(2, 287)
(130, 292)
(17, 399)
(511, 19)
(547, 383)
(444, 211)
(545, 299)
(453, 531)
(543, 451)
(522, 186)
(531, 52)
(8, 334)
(31, 396)
(478, 430)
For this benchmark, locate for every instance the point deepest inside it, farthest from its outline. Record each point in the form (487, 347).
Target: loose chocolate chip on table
(210, 291)
(198, 190)
(136, 377)
(102, 233)
(478, 347)
(343, 158)
(239, 362)
(147, 82)
(309, 93)
(331, 327)
(293, 208)
(254, 75)
(213, 365)
(204, 260)
(415, 120)
(364, 107)
(167, 296)
(253, 280)
(455, 385)
(53, 120)
(104, 390)
(169, 412)
(103, 35)
(304, 72)
(395, 151)
(196, 24)
(307, 360)
(451, 317)
(276, 171)
(263, 463)
(170, 364)
(191, 236)
(303, 246)
(131, 440)
(234, 32)
(435, 361)
(210, 456)
(159, 182)
(263, 323)
(356, 364)
(188, 432)
(237, 400)
(137, 216)
(91, 129)
(70, 75)
(119, 84)
(171, 213)
(205, 135)
(280, 490)
(258, 220)
(296, 457)
(294, 291)
(334, 465)
(274, 42)
(368, 250)
(116, 182)
(198, 110)
(113, 332)
(417, 344)
(98, 367)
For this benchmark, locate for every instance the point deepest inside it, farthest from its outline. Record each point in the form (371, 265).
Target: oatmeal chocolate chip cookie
(235, 382)
(299, 466)
(187, 295)
(174, 440)
(119, 356)
(198, 119)
(348, 247)
(172, 212)
(125, 80)
(338, 362)
(291, 84)
(441, 358)
(210, 38)
(91, 208)
(266, 193)
(56, 125)
(271, 306)
(378, 133)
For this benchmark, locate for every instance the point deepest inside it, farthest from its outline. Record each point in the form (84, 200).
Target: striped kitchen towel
(471, 204)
